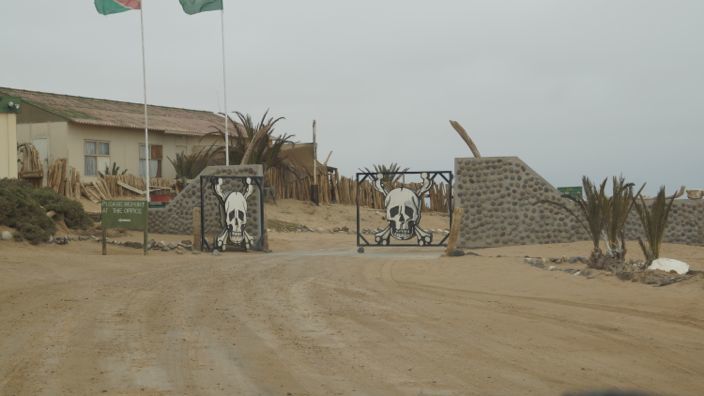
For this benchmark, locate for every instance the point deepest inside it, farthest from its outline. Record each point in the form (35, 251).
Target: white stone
(667, 265)
(6, 235)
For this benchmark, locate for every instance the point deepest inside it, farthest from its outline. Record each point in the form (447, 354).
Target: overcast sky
(572, 87)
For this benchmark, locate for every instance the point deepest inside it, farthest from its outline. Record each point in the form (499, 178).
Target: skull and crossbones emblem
(403, 207)
(235, 205)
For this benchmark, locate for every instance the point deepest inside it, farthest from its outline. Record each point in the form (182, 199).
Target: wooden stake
(465, 136)
(454, 231)
(105, 237)
(196, 229)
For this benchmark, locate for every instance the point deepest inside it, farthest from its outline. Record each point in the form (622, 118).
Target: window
(96, 157)
(155, 153)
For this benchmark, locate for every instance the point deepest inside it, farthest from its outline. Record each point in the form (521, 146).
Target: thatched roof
(112, 113)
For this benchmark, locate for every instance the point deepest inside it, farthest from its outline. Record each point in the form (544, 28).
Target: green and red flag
(107, 7)
(191, 7)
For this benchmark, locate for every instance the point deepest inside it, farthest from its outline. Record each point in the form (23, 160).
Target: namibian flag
(107, 7)
(191, 7)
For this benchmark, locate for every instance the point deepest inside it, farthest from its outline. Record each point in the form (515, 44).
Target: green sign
(130, 215)
(575, 192)
(9, 104)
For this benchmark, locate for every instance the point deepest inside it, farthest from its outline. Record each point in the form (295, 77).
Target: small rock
(360, 249)
(171, 246)
(577, 273)
(667, 265)
(186, 242)
(133, 245)
(538, 262)
(216, 252)
(6, 236)
(551, 268)
(180, 250)
(456, 253)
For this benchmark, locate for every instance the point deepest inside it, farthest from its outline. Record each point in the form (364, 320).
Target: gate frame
(258, 181)
(446, 175)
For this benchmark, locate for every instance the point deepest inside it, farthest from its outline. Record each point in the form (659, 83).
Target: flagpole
(146, 119)
(224, 84)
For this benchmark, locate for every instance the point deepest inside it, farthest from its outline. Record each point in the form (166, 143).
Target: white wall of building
(67, 140)
(8, 145)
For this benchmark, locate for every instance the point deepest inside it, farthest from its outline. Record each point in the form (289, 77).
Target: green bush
(24, 208)
(71, 212)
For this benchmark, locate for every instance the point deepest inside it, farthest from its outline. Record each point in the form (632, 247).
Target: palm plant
(114, 171)
(619, 207)
(264, 148)
(653, 218)
(390, 173)
(591, 213)
(189, 166)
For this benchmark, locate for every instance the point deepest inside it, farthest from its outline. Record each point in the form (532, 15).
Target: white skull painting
(235, 205)
(403, 213)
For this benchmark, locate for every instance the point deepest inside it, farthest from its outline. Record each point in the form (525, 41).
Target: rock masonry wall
(177, 216)
(501, 200)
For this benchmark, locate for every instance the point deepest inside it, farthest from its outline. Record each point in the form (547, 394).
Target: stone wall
(501, 200)
(177, 216)
(685, 224)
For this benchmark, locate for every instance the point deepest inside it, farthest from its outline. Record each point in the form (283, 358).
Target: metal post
(146, 118)
(146, 227)
(224, 84)
(104, 241)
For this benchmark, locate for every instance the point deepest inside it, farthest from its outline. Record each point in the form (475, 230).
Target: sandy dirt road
(316, 318)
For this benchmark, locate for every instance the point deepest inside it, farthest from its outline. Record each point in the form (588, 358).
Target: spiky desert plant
(653, 218)
(620, 206)
(190, 165)
(591, 212)
(389, 172)
(266, 148)
(114, 171)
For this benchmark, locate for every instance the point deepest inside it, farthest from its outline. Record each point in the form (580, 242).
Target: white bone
(425, 187)
(424, 237)
(218, 189)
(379, 184)
(247, 239)
(221, 241)
(382, 237)
(250, 188)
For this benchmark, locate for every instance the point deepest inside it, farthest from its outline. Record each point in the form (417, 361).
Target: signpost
(575, 192)
(131, 215)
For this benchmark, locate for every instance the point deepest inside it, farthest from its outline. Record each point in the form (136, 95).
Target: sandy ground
(327, 216)
(316, 318)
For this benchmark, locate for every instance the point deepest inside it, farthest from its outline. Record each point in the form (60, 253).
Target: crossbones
(235, 205)
(403, 212)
